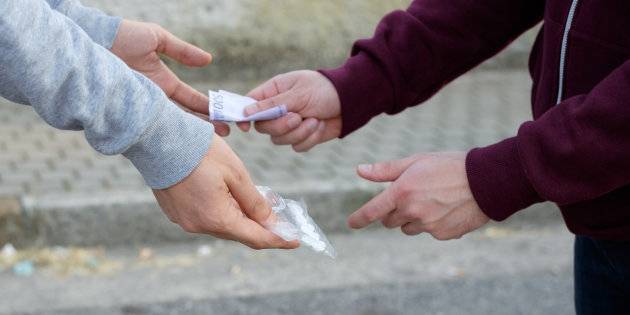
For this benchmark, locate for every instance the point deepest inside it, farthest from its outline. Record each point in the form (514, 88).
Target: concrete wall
(254, 39)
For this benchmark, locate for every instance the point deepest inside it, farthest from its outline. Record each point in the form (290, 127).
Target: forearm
(79, 85)
(577, 151)
(416, 52)
(101, 28)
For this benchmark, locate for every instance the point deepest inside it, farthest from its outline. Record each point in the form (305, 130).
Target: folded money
(294, 223)
(230, 107)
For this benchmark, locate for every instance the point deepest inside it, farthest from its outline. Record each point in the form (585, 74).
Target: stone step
(124, 218)
(492, 271)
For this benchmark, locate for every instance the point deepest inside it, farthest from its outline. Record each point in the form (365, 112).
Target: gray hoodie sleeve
(73, 83)
(102, 28)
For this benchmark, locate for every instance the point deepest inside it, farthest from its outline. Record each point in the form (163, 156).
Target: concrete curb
(134, 218)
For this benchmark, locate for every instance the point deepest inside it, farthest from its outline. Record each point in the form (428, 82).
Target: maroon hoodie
(575, 152)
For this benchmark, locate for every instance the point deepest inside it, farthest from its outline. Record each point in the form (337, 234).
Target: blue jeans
(602, 276)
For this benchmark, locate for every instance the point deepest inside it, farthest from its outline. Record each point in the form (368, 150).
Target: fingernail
(365, 168)
(251, 109)
(312, 124)
(294, 120)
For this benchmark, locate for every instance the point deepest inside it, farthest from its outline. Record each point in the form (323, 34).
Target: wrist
(101, 28)
(171, 147)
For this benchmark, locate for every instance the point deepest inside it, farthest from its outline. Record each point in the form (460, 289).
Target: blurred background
(81, 234)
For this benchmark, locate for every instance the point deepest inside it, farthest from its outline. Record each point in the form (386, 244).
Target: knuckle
(172, 219)
(156, 27)
(256, 246)
(276, 140)
(431, 228)
(388, 224)
(189, 227)
(235, 171)
(299, 149)
(260, 127)
(415, 215)
(399, 192)
(408, 231)
(370, 215)
(441, 235)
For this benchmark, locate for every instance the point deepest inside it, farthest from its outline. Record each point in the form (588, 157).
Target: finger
(326, 130)
(314, 139)
(395, 219)
(255, 236)
(222, 129)
(413, 228)
(287, 99)
(297, 135)
(244, 126)
(279, 126)
(252, 203)
(266, 90)
(189, 97)
(385, 171)
(182, 51)
(375, 209)
(452, 225)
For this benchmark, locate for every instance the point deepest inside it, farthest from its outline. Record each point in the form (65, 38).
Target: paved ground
(38, 161)
(523, 267)
(488, 272)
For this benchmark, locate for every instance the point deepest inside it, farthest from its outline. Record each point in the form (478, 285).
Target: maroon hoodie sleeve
(416, 52)
(577, 151)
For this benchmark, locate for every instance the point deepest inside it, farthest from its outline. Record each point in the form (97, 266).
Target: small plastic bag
(294, 223)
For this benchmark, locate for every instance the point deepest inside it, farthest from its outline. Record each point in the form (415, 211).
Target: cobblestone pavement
(476, 110)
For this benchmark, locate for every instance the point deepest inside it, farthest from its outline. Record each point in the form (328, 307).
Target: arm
(577, 151)
(411, 56)
(78, 85)
(99, 26)
(416, 52)
(139, 44)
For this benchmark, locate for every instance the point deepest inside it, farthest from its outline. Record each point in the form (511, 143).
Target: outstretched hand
(314, 109)
(218, 198)
(140, 44)
(430, 193)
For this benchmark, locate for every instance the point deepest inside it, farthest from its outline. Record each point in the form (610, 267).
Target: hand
(219, 198)
(430, 193)
(308, 95)
(139, 45)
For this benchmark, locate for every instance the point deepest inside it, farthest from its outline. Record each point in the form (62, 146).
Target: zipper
(563, 50)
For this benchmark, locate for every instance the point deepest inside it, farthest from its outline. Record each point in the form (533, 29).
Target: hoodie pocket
(589, 61)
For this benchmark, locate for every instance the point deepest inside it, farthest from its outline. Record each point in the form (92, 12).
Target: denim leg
(601, 268)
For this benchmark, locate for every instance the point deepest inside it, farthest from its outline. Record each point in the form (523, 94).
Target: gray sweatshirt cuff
(171, 147)
(101, 28)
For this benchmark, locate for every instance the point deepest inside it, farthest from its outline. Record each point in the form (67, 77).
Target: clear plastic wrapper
(294, 223)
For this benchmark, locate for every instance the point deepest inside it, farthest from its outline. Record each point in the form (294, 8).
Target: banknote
(229, 107)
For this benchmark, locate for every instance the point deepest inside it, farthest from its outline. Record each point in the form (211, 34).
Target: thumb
(287, 99)
(251, 202)
(385, 171)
